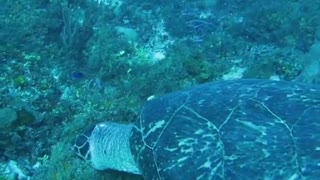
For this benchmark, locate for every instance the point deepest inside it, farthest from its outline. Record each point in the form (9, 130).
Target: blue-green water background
(66, 65)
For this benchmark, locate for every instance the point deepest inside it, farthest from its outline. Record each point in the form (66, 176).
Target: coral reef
(66, 65)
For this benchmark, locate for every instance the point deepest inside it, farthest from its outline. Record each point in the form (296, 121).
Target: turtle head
(82, 145)
(106, 146)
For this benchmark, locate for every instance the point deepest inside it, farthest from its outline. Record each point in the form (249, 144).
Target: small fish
(77, 75)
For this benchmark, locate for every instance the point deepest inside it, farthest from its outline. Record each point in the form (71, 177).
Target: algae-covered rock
(7, 117)
(26, 117)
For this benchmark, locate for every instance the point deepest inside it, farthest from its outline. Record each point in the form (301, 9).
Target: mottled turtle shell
(239, 129)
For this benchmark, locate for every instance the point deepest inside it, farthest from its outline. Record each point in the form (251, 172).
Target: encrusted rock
(7, 117)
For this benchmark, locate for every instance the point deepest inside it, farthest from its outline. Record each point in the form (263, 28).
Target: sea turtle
(237, 129)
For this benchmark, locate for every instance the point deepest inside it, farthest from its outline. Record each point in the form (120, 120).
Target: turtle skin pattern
(238, 129)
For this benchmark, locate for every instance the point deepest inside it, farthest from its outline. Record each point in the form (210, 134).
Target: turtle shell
(239, 129)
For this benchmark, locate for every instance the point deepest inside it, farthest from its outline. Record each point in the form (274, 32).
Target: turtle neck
(110, 147)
